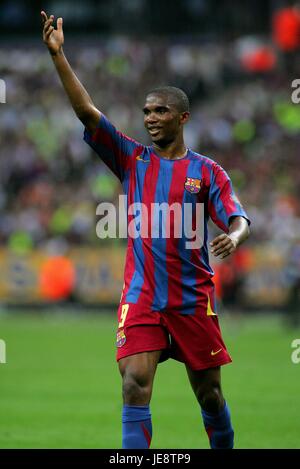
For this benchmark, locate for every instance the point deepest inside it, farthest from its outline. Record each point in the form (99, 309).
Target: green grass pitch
(60, 387)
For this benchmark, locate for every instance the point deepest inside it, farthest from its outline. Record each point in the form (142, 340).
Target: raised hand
(53, 38)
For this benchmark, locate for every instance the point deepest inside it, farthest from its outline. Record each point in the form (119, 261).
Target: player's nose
(151, 119)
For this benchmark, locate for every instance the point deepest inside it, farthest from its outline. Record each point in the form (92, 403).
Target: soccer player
(167, 307)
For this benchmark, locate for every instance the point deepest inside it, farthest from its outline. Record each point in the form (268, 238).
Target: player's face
(162, 119)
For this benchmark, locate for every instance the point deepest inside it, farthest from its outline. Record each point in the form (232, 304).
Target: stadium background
(237, 62)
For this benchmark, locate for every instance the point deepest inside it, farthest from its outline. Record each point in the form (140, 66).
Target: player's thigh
(140, 367)
(204, 380)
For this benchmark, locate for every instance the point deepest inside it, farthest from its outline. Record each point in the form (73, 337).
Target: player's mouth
(154, 131)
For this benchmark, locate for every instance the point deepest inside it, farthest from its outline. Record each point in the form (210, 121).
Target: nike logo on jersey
(140, 158)
(215, 353)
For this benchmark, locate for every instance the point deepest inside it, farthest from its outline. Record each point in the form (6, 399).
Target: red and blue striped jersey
(161, 273)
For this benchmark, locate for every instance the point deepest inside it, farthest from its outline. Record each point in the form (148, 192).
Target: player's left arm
(225, 244)
(227, 213)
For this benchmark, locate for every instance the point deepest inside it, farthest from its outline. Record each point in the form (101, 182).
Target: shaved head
(175, 96)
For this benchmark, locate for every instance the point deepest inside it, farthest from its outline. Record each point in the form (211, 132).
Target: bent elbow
(83, 114)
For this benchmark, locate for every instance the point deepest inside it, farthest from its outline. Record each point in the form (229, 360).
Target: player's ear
(184, 117)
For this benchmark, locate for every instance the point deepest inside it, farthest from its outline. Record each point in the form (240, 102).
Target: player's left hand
(223, 245)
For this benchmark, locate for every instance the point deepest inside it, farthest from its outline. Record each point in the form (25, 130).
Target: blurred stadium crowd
(242, 116)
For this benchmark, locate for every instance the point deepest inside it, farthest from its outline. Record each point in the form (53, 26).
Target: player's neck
(172, 151)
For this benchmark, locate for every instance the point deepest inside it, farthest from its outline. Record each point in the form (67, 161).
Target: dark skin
(79, 98)
(165, 124)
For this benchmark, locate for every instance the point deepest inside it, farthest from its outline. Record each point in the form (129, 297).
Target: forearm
(78, 96)
(239, 229)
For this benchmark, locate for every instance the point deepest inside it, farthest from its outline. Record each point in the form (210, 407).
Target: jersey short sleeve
(114, 148)
(223, 202)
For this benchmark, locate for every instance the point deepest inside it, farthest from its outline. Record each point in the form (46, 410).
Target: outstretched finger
(44, 16)
(59, 24)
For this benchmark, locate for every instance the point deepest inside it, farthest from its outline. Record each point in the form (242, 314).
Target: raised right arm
(78, 96)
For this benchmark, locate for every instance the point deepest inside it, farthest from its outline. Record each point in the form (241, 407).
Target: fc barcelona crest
(121, 338)
(192, 185)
